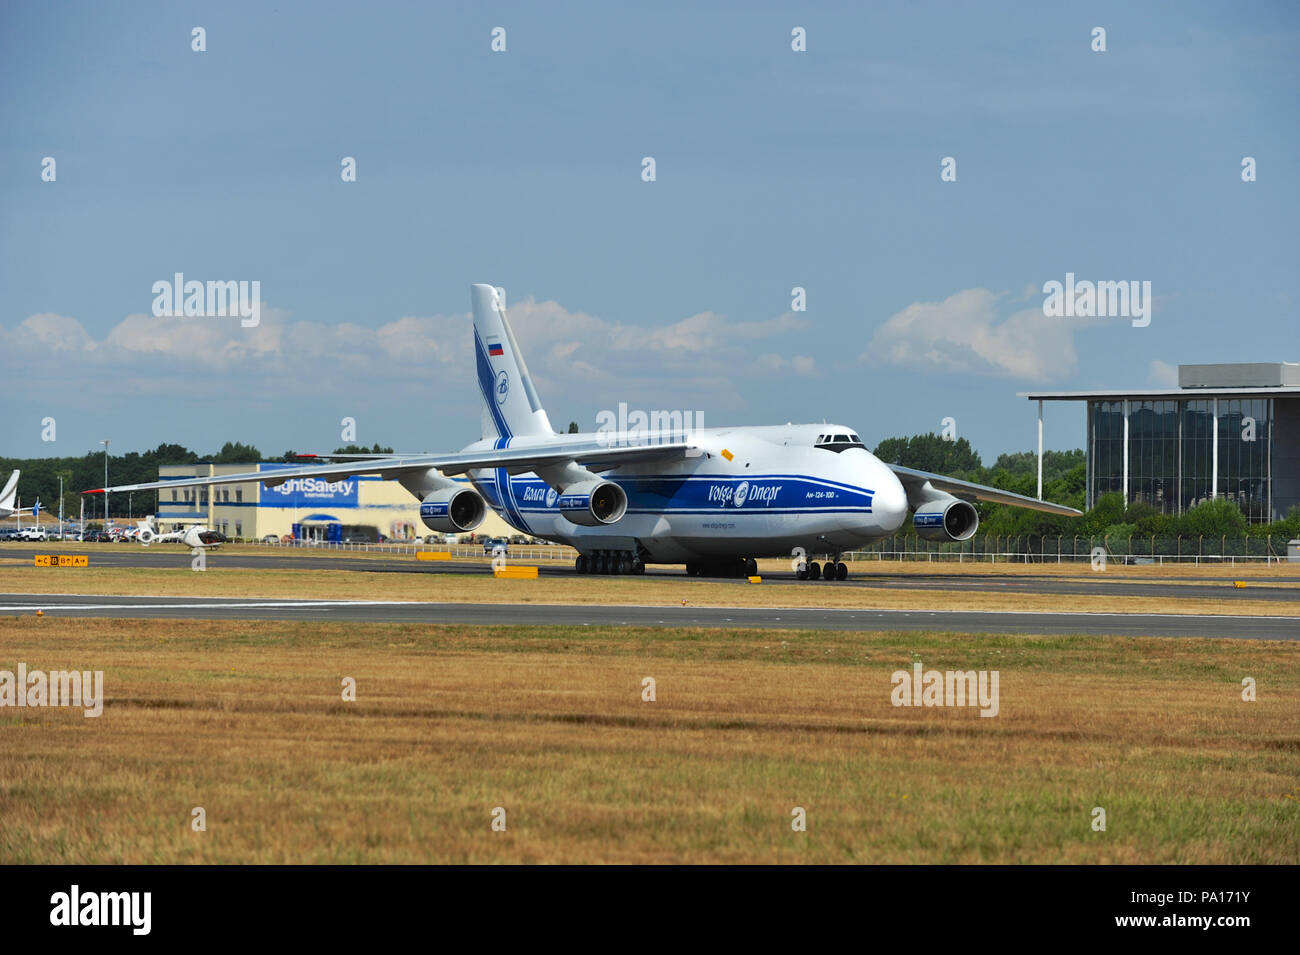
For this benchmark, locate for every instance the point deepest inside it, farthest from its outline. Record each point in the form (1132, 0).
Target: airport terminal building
(359, 508)
(1230, 431)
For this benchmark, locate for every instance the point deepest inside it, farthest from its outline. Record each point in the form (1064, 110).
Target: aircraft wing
(592, 454)
(914, 479)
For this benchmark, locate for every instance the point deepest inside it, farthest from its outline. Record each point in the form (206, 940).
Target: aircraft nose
(889, 505)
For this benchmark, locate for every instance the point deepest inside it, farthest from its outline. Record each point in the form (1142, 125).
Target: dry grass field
(247, 721)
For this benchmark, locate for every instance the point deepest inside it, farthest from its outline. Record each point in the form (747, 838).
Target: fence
(1021, 549)
(1032, 549)
(514, 551)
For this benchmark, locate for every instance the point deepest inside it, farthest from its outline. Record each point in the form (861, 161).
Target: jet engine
(452, 510)
(945, 518)
(592, 503)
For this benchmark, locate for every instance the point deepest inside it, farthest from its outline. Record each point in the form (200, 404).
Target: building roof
(1239, 380)
(1162, 393)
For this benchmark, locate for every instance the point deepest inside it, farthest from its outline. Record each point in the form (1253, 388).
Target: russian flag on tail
(494, 348)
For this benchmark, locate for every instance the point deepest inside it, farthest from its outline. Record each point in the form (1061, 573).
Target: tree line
(1064, 482)
(40, 476)
(1065, 477)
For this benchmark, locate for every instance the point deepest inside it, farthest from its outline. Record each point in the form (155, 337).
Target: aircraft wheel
(638, 567)
(580, 565)
(751, 567)
(690, 568)
(828, 571)
(814, 570)
(801, 574)
(624, 566)
(841, 571)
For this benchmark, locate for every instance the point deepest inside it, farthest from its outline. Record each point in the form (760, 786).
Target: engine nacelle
(593, 503)
(946, 518)
(452, 510)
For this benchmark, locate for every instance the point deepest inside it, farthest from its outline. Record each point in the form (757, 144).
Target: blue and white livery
(714, 499)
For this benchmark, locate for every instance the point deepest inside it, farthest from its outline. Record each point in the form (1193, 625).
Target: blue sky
(775, 169)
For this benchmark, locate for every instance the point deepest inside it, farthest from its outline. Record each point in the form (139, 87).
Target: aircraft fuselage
(753, 492)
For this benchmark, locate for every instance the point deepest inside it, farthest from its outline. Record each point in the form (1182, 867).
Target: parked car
(518, 539)
(33, 534)
(490, 544)
(270, 539)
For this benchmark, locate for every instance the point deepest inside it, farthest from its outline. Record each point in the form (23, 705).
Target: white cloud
(696, 359)
(772, 362)
(963, 334)
(51, 332)
(1162, 374)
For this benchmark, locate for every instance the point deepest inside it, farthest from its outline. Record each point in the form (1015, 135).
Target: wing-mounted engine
(584, 497)
(452, 510)
(445, 506)
(939, 516)
(591, 503)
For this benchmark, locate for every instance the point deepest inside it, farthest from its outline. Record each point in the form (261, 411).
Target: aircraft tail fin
(508, 393)
(10, 490)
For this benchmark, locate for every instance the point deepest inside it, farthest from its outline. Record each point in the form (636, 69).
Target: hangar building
(356, 508)
(1230, 431)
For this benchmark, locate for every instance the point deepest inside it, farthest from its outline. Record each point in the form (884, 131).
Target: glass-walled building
(1229, 431)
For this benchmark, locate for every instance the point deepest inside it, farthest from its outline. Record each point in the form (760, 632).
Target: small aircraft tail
(9, 492)
(511, 401)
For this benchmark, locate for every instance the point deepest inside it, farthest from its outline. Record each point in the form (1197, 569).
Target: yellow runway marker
(515, 573)
(433, 555)
(62, 560)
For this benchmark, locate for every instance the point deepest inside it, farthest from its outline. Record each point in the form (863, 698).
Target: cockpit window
(838, 442)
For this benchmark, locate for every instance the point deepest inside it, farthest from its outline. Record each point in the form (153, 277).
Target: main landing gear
(726, 567)
(831, 570)
(609, 562)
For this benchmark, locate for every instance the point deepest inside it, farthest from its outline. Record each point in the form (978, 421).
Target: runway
(864, 574)
(589, 615)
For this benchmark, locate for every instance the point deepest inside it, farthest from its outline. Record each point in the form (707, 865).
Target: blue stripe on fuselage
(770, 494)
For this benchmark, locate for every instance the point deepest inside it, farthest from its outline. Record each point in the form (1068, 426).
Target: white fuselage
(776, 492)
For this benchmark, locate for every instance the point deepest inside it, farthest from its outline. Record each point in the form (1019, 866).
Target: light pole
(105, 443)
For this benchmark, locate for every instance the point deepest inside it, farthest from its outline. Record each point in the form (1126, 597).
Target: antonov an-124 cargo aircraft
(715, 499)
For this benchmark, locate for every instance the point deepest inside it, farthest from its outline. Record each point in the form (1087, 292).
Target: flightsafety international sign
(309, 492)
